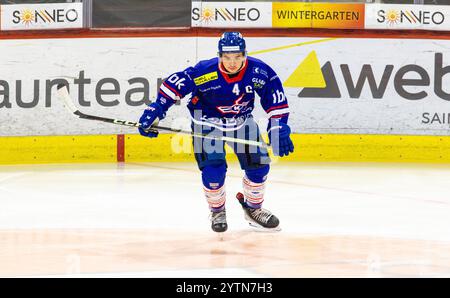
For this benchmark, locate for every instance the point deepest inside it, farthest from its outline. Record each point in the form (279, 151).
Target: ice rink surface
(152, 220)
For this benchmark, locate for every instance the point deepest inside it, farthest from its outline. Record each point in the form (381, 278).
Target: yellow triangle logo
(307, 74)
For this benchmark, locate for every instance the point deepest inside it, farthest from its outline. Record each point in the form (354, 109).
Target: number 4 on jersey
(236, 89)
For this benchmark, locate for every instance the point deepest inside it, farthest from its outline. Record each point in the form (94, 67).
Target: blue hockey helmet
(231, 42)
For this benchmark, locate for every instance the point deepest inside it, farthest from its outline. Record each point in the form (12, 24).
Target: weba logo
(401, 80)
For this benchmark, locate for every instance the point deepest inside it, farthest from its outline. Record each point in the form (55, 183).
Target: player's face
(232, 61)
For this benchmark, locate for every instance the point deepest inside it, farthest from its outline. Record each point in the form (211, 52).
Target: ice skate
(260, 218)
(219, 221)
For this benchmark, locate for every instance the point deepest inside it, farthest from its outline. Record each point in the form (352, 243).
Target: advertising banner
(359, 85)
(317, 15)
(333, 85)
(232, 14)
(41, 16)
(391, 16)
(113, 77)
(277, 15)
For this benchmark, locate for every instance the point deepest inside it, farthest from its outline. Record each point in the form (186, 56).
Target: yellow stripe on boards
(308, 147)
(142, 149)
(164, 148)
(177, 148)
(58, 149)
(370, 148)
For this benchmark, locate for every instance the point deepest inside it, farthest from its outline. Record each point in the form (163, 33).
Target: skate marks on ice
(141, 252)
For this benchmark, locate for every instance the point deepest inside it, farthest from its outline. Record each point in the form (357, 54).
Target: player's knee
(258, 175)
(213, 176)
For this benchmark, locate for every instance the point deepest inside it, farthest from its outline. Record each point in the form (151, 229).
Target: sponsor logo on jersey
(258, 83)
(210, 88)
(258, 70)
(236, 108)
(206, 78)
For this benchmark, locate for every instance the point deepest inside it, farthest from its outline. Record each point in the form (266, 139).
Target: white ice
(400, 201)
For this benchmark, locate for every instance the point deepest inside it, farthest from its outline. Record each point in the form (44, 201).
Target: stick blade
(64, 96)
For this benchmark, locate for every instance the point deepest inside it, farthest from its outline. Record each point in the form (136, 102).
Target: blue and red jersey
(224, 100)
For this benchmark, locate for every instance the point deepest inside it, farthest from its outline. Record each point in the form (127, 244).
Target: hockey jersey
(222, 100)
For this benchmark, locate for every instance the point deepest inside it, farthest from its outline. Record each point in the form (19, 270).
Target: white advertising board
(231, 14)
(41, 16)
(361, 86)
(113, 77)
(338, 85)
(392, 16)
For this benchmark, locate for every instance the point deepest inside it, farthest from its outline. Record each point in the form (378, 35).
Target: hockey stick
(63, 94)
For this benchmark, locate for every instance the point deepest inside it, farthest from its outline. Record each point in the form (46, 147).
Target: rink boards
(134, 148)
(351, 98)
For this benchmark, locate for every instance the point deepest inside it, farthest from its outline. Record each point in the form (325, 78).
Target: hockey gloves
(151, 116)
(280, 140)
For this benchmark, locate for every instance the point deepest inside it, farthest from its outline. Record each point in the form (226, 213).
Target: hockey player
(221, 93)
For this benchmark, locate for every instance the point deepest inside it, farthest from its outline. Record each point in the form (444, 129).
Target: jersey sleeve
(273, 99)
(177, 86)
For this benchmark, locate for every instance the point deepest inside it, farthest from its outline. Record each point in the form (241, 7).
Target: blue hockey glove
(280, 140)
(151, 116)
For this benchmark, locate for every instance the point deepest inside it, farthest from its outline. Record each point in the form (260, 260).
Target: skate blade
(259, 228)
